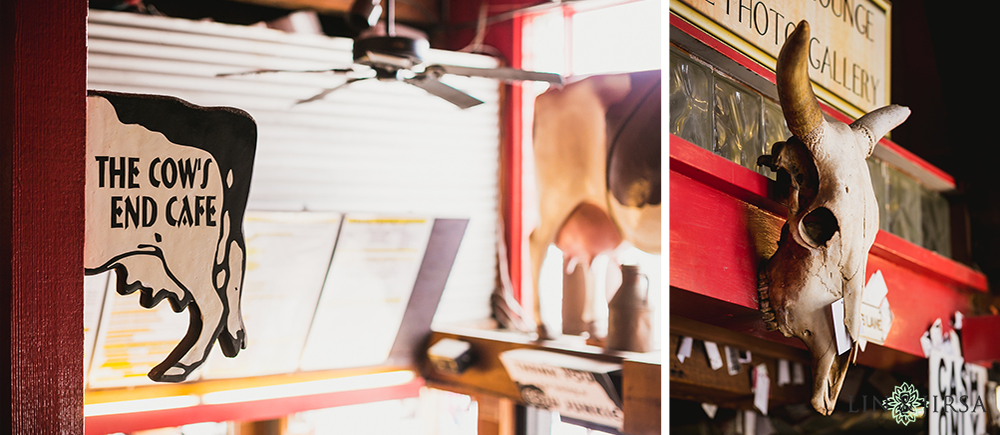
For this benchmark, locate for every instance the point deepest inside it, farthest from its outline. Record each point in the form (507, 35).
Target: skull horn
(802, 112)
(879, 121)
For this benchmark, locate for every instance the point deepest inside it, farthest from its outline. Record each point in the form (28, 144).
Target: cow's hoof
(175, 373)
(231, 345)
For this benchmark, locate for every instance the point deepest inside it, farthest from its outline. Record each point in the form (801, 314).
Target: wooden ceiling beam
(421, 12)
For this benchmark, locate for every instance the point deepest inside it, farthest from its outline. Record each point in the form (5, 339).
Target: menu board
(367, 288)
(322, 290)
(131, 340)
(288, 254)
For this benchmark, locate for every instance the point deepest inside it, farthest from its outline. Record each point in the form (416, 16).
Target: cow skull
(832, 220)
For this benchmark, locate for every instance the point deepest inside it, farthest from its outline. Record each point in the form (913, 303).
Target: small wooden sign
(876, 316)
(166, 190)
(576, 387)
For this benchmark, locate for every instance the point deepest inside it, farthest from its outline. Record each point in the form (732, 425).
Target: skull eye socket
(819, 226)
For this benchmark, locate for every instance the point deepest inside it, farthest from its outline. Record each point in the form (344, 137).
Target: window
(712, 110)
(580, 40)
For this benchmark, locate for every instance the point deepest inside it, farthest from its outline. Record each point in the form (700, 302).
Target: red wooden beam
(981, 339)
(43, 120)
(245, 411)
(723, 48)
(723, 221)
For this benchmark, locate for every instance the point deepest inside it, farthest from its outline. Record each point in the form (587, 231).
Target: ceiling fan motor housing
(396, 46)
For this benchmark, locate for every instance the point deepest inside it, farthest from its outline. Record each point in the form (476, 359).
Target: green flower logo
(904, 404)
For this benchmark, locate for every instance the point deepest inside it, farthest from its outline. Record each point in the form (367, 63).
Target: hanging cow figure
(832, 220)
(597, 163)
(167, 186)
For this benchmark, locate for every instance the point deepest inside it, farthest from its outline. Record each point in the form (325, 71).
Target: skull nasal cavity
(820, 225)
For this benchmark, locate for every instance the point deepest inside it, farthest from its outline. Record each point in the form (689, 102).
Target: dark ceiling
(941, 69)
(422, 14)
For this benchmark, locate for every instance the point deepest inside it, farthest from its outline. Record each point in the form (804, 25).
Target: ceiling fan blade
(448, 93)
(266, 71)
(326, 92)
(502, 73)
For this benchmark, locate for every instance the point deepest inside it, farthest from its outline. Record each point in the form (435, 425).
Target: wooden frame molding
(42, 135)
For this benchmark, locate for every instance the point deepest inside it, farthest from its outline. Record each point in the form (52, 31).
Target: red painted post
(505, 37)
(513, 125)
(43, 115)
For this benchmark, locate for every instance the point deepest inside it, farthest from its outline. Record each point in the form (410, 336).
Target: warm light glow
(619, 38)
(142, 405)
(377, 380)
(998, 398)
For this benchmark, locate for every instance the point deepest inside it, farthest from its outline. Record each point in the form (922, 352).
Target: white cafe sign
(848, 50)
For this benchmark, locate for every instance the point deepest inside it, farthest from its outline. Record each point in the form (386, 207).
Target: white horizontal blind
(383, 147)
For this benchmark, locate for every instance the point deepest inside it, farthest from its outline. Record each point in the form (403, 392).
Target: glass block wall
(740, 124)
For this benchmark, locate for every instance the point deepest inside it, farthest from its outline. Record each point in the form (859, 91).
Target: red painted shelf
(723, 220)
(244, 411)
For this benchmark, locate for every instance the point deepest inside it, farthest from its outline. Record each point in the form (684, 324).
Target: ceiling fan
(385, 54)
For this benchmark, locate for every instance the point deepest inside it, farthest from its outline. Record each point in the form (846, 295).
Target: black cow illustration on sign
(167, 185)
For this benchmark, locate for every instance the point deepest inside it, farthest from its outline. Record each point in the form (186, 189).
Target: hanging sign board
(956, 402)
(575, 387)
(166, 189)
(849, 48)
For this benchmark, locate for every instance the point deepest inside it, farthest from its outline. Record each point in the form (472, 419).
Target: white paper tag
(714, 358)
(749, 422)
(685, 348)
(732, 360)
(784, 374)
(710, 409)
(762, 388)
(744, 356)
(958, 320)
(798, 374)
(839, 328)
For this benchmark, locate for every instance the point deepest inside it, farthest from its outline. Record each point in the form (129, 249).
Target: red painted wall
(505, 37)
(42, 135)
